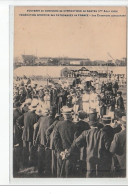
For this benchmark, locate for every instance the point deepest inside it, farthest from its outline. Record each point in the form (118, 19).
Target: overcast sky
(82, 37)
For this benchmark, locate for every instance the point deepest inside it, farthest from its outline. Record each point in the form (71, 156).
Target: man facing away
(96, 143)
(27, 121)
(63, 138)
(44, 158)
(118, 148)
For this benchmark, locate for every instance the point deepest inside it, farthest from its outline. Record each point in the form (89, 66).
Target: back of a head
(67, 116)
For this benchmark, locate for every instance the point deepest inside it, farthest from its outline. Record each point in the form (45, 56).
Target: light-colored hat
(66, 110)
(106, 118)
(28, 101)
(40, 111)
(57, 115)
(29, 85)
(123, 120)
(34, 104)
(41, 87)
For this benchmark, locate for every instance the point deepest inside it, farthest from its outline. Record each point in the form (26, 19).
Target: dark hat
(82, 114)
(93, 110)
(93, 118)
(106, 117)
(16, 104)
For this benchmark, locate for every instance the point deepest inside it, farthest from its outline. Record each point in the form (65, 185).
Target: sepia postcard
(69, 92)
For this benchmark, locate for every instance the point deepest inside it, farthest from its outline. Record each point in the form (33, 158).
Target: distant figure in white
(47, 100)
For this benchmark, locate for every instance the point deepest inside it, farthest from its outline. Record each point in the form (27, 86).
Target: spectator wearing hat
(27, 121)
(86, 101)
(69, 101)
(65, 94)
(17, 133)
(120, 103)
(106, 159)
(107, 127)
(41, 93)
(93, 116)
(81, 126)
(25, 105)
(44, 158)
(16, 96)
(63, 138)
(115, 88)
(47, 99)
(50, 144)
(34, 91)
(22, 95)
(118, 149)
(102, 107)
(94, 140)
(29, 91)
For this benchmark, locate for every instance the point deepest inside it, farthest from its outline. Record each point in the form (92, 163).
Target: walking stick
(62, 167)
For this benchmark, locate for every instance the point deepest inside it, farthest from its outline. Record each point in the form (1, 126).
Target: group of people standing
(68, 132)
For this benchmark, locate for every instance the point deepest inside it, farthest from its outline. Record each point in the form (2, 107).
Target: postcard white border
(47, 181)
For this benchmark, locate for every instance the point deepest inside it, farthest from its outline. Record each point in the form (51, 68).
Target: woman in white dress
(86, 102)
(47, 100)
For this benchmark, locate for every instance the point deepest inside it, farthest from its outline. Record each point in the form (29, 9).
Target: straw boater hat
(106, 118)
(29, 86)
(41, 111)
(27, 102)
(41, 87)
(123, 120)
(33, 105)
(66, 110)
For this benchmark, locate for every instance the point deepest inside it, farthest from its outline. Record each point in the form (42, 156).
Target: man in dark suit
(118, 148)
(120, 104)
(44, 156)
(27, 121)
(16, 131)
(96, 142)
(81, 126)
(17, 139)
(106, 159)
(50, 144)
(63, 138)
